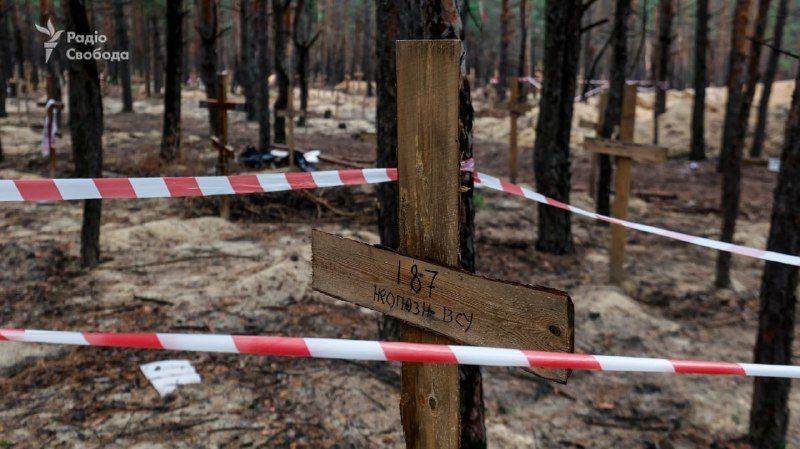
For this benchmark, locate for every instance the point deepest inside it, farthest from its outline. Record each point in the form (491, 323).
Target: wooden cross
(625, 153)
(220, 142)
(626, 128)
(420, 285)
(290, 114)
(516, 109)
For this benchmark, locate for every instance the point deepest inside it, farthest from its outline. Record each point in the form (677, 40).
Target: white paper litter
(166, 375)
(774, 164)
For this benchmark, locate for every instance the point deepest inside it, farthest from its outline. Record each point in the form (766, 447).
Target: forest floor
(171, 265)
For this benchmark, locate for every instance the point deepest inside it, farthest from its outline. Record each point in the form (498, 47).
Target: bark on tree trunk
(5, 57)
(523, 48)
(698, 151)
(262, 75)
(732, 169)
(279, 8)
(145, 25)
(661, 61)
(551, 162)
(246, 65)
(505, 40)
(387, 21)
(366, 49)
(158, 60)
(304, 38)
(86, 128)
(613, 113)
(207, 30)
(121, 35)
(760, 133)
(171, 136)
(769, 415)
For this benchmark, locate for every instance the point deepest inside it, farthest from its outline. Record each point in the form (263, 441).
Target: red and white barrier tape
(111, 188)
(498, 184)
(171, 187)
(327, 348)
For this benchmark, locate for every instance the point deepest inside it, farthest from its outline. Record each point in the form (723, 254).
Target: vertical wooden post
(428, 167)
(222, 121)
(512, 136)
(622, 184)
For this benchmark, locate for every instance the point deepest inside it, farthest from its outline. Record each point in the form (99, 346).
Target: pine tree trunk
(613, 113)
(262, 79)
(387, 21)
(523, 48)
(171, 137)
(157, 59)
(731, 188)
(5, 57)
(366, 49)
(551, 162)
(121, 36)
(303, 41)
(661, 61)
(698, 151)
(769, 76)
(279, 8)
(207, 30)
(19, 47)
(505, 40)
(769, 415)
(86, 128)
(145, 26)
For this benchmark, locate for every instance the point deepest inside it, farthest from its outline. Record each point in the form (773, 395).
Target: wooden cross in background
(421, 284)
(516, 108)
(220, 141)
(625, 153)
(290, 114)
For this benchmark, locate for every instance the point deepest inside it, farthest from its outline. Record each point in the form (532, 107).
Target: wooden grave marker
(516, 109)
(290, 113)
(625, 153)
(50, 124)
(220, 142)
(435, 302)
(626, 128)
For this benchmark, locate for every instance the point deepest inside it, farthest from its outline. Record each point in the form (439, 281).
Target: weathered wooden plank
(466, 307)
(428, 75)
(636, 151)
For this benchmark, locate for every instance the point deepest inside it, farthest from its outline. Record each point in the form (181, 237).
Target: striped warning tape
(172, 187)
(498, 184)
(111, 188)
(327, 348)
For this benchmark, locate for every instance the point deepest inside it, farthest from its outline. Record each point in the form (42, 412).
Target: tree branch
(594, 25)
(766, 44)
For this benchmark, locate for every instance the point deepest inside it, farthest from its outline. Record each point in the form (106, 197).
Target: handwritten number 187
(417, 278)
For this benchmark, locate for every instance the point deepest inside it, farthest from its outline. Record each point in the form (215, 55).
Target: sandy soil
(171, 265)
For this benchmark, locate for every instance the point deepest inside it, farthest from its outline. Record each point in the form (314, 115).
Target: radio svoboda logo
(51, 44)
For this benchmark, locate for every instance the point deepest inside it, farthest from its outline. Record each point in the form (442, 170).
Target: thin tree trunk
(207, 30)
(698, 151)
(769, 415)
(145, 26)
(86, 128)
(769, 76)
(157, 59)
(613, 113)
(523, 48)
(387, 26)
(6, 60)
(262, 79)
(247, 72)
(121, 36)
(731, 186)
(304, 39)
(505, 40)
(661, 61)
(279, 9)
(366, 49)
(551, 149)
(171, 137)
